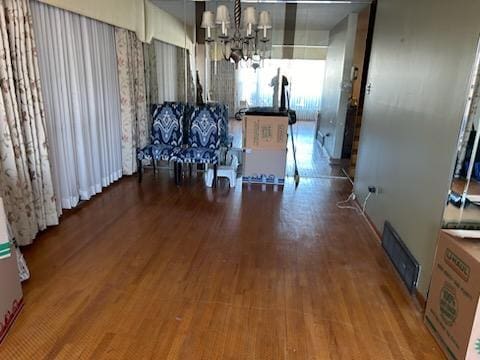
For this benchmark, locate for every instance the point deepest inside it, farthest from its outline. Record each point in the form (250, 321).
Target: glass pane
(305, 77)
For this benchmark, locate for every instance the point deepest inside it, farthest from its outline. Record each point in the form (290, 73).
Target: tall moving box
(10, 289)
(264, 166)
(453, 309)
(265, 149)
(264, 132)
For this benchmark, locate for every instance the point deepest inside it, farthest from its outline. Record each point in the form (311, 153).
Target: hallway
(312, 161)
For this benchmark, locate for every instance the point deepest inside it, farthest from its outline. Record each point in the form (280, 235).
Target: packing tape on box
(5, 246)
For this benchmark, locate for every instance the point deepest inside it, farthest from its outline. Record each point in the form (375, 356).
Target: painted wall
(308, 44)
(422, 56)
(337, 85)
(165, 27)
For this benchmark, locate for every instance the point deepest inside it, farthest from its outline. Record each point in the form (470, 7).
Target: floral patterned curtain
(131, 77)
(25, 176)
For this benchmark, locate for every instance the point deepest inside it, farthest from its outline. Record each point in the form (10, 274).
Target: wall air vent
(401, 257)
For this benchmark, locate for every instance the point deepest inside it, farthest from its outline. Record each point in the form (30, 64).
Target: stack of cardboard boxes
(453, 308)
(265, 149)
(10, 288)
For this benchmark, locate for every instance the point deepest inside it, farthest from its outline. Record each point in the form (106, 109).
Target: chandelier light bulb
(265, 22)
(249, 19)
(208, 23)
(223, 18)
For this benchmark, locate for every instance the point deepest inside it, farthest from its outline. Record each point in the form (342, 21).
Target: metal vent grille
(401, 257)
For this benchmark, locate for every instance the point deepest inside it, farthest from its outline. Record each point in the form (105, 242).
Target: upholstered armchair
(203, 137)
(166, 137)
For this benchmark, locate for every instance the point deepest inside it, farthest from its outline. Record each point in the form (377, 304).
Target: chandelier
(243, 44)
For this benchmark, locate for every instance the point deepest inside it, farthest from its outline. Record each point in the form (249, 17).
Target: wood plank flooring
(153, 271)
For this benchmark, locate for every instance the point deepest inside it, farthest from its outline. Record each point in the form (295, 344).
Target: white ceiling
(311, 16)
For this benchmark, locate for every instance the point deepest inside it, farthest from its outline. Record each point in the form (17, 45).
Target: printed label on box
(457, 265)
(448, 304)
(265, 132)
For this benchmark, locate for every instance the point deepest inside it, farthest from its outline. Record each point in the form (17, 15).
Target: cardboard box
(10, 289)
(453, 309)
(264, 166)
(265, 132)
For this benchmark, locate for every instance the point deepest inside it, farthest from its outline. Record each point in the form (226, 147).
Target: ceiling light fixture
(243, 44)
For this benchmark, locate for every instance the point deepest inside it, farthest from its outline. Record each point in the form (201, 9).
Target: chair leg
(154, 166)
(190, 169)
(175, 172)
(215, 175)
(140, 170)
(179, 170)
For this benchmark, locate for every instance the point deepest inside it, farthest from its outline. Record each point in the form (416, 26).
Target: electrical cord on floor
(364, 205)
(352, 196)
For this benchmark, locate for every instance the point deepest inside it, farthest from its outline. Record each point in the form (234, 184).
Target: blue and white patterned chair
(166, 137)
(203, 137)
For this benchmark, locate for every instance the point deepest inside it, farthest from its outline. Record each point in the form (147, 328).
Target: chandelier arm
(224, 50)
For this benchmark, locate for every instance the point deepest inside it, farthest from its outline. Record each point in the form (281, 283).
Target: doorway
(340, 120)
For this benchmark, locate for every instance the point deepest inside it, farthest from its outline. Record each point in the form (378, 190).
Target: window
(305, 78)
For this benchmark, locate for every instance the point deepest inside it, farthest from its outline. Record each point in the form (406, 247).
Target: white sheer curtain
(167, 71)
(78, 73)
(306, 85)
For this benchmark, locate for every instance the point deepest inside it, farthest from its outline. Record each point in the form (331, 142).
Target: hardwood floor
(155, 271)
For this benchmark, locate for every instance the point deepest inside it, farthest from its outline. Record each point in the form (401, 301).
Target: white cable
(352, 196)
(365, 203)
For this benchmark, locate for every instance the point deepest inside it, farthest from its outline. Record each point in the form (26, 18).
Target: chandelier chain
(237, 14)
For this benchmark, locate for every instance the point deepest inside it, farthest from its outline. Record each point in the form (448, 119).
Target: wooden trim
(422, 301)
(368, 53)
(377, 233)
